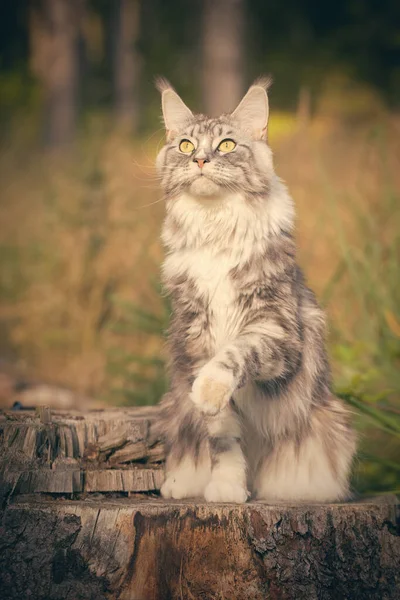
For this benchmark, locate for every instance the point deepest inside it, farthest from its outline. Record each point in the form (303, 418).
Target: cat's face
(215, 157)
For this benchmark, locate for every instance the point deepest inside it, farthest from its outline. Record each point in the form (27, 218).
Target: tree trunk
(222, 54)
(81, 519)
(54, 48)
(127, 64)
(148, 549)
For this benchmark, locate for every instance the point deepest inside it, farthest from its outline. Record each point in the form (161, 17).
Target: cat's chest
(210, 281)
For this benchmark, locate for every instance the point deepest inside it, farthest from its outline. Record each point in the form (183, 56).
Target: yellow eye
(186, 146)
(227, 146)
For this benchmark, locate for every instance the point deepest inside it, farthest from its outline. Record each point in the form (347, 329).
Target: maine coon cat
(249, 410)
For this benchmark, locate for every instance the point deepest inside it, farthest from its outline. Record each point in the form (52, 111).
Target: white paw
(212, 389)
(187, 480)
(225, 491)
(176, 489)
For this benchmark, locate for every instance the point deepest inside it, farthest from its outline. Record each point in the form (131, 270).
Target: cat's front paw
(225, 491)
(176, 489)
(188, 478)
(212, 389)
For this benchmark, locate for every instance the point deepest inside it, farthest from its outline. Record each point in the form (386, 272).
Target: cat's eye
(227, 146)
(186, 146)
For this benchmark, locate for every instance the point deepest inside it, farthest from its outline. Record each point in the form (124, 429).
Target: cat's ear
(175, 112)
(253, 111)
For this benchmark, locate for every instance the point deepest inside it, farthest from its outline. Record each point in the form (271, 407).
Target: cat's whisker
(149, 204)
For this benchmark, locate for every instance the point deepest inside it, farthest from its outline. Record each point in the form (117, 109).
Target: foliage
(79, 249)
(299, 44)
(79, 241)
(75, 233)
(367, 359)
(140, 379)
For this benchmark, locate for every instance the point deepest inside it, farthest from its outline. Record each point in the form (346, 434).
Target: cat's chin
(204, 187)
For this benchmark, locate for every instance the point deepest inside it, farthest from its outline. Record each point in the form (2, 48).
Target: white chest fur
(210, 274)
(205, 244)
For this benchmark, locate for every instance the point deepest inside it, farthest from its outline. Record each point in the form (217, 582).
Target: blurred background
(81, 311)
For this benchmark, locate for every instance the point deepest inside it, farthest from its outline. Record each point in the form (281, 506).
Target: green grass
(138, 379)
(366, 355)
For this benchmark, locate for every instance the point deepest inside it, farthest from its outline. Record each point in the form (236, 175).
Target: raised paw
(212, 390)
(225, 491)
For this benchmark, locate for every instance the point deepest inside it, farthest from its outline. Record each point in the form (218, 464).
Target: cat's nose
(200, 162)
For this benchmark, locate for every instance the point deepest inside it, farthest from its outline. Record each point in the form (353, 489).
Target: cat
(249, 411)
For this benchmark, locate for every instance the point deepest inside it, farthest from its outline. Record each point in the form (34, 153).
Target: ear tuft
(175, 112)
(253, 111)
(264, 81)
(163, 84)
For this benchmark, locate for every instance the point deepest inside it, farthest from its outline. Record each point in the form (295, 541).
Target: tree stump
(85, 540)
(63, 452)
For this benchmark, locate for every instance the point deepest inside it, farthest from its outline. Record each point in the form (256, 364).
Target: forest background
(80, 214)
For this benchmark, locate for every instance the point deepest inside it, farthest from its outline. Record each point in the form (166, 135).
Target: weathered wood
(131, 549)
(66, 452)
(156, 453)
(123, 480)
(44, 414)
(74, 481)
(142, 548)
(130, 452)
(112, 440)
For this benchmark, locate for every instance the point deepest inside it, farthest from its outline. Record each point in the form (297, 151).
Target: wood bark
(147, 549)
(68, 452)
(127, 64)
(222, 55)
(54, 32)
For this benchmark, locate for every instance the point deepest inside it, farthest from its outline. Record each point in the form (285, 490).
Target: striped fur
(250, 409)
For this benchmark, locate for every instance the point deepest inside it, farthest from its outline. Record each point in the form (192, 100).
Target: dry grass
(79, 243)
(76, 234)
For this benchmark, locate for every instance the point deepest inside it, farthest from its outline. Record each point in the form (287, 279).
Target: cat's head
(213, 157)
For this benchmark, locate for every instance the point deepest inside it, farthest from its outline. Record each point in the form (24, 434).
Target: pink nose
(200, 162)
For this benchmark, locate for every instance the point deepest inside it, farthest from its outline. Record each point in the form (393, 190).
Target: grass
(79, 252)
(365, 343)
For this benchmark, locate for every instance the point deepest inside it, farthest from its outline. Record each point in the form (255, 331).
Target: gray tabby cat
(249, 409)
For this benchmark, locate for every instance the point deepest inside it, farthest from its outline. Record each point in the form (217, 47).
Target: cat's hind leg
(313, 465)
